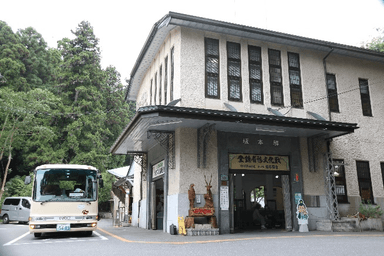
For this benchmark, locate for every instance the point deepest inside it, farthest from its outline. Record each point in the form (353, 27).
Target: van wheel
(37, 234)
(5, 219)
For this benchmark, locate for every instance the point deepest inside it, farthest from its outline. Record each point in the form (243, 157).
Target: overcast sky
(123, 26)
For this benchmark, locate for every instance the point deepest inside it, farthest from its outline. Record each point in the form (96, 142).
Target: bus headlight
(93, 224)
(34, 226)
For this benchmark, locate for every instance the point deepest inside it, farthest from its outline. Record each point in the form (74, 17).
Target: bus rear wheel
(37, 234)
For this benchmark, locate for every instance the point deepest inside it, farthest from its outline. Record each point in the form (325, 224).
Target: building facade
(270, 118)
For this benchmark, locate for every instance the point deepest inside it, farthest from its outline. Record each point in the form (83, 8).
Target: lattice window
(341, 185)
(234, 71)
(275, 77)
(212, 87)
(365, 98)
(295, 80)
(332, 93)
(255, 74)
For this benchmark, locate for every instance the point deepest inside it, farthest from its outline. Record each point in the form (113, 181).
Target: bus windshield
(65, 185)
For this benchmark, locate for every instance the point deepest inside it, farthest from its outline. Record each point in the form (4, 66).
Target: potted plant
(369, 216)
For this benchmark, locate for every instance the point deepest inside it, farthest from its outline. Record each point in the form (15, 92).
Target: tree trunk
(5, 175)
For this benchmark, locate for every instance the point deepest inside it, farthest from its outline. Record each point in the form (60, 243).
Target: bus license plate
(63, 227)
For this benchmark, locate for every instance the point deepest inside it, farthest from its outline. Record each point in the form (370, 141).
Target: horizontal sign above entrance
(258, 162)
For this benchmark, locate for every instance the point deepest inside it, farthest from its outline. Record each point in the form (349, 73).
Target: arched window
(258, 195)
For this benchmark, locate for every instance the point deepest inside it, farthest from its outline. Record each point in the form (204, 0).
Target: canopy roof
(168, 118)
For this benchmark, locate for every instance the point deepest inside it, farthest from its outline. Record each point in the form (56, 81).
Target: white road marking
(50, 241)
(102, 237)
(17, 239)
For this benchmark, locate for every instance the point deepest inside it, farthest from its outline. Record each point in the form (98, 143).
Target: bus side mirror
(27, 180)
(101, 182)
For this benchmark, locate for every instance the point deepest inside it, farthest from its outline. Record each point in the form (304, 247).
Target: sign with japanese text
(158, 169)
(258, 162)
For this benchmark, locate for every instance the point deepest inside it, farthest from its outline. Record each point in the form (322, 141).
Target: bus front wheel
(88, 233)
(37, 234)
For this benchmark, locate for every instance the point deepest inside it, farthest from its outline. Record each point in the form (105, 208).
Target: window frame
(333, 99)
(172, 73)
(274, 84)
(365, 98)
(295, 88)
(211, 74)
(155, 94)
(160, 84)
(253, 82)
(150, 92)
(366, 180)
(382, 171)
(234, 63)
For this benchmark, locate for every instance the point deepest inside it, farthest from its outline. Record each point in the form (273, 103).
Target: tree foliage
(377, 43)
(58, 105)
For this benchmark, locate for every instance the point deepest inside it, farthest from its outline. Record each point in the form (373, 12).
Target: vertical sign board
(224, 198)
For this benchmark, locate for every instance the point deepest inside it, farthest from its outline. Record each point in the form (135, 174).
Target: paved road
(15, 240)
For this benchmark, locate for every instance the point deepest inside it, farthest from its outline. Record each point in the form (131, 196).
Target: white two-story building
(271, 117)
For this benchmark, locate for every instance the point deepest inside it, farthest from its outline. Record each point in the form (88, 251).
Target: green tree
(12, 55)
(24, 116)
(42, 62)
(377, 43)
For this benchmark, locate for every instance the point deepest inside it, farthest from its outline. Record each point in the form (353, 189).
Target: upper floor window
(275, 77)
(165, 79)
(234, 71)
(332, 93)
(365, 98)
(172, 73)
(155, 94)
(295, 80)
(212, 86)
(160, 83)
(150, 93)
(255, 74)
(364, 179)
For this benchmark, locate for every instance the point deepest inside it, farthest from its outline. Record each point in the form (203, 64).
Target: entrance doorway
(157, 204)
(258, 201)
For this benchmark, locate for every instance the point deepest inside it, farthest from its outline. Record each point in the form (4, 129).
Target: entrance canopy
(161, 118)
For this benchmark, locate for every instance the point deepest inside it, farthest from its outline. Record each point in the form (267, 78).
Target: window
(365, 99)
(341, 187)
(234, 71)
(255, 74)
(165, 79)
(25, 203)
(212, 88)
(332, 93)
(364, 179)
(172, 74)
(382, 171)
(155, 94)
(275, 77)
(160, 83)
(295, 80)
(150, 93)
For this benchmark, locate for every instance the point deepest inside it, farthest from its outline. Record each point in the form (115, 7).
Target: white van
(15, 209)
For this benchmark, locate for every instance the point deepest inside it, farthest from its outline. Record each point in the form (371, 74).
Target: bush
(370, 211)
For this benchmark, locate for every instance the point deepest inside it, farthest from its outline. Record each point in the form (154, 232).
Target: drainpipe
(326, 85)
